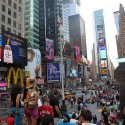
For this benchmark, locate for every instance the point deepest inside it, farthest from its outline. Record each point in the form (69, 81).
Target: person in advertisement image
(53, 71)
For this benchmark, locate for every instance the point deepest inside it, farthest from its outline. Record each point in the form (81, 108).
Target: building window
(19, 1)
(14, 23)
(3, 8)
(9, 2)
(19, 9)
(19, 26)
(19, 17)
(14, 31)
(15, 6)
(3, 27)
(4, 1)
(9, 11)
(9, 29)
(19, 34)
(9, 21)
(3, 18)
(14, 14)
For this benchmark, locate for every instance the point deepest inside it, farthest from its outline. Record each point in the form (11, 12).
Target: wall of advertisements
(101, 42)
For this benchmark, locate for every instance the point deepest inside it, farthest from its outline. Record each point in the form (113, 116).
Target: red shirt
(46, 110)
(10, 121)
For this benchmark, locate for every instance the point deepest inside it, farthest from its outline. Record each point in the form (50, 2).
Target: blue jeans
(18, 117)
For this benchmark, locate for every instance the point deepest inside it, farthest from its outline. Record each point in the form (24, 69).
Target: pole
(61, 61)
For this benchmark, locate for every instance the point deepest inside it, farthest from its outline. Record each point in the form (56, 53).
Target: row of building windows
(15, 7)
(9, 30)
(9, 22)
(10, 1)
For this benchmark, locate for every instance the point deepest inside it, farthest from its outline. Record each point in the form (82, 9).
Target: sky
(108, 6)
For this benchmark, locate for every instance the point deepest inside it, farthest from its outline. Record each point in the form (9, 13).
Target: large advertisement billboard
(53, 72)
(14, 49)
(34, 62)
(73, 71)
(104, 71)
(77, 50)
(80, 70)
(49, 49)
(0, 46)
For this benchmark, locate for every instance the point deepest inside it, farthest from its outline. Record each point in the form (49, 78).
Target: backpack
(32, 99)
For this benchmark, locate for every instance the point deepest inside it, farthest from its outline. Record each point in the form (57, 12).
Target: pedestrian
(15, 103)
(46, 108)
(47, 119)
(94, 119)
(71, 102)
(86, 117)
(66, 121)
(54, 102)
(31, 94)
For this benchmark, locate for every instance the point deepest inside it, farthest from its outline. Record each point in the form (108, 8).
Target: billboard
(77, 50)
(34, 62)
(73, 71)
(80, 70)
(49, 49)
(101, 41)
(14, 49)
(0, 46)
(68, 67)
(53, 72)
(104, 71)
(103, 63)
(102, 54)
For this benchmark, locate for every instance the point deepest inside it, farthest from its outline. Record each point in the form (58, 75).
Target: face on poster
(14, 49)
(34, 62)
(53, 72)
(77, 52)
(49, 49)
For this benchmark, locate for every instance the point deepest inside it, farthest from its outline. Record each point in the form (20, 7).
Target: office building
(121, 36)
(31, 22)
(101, 47)
(77, 32)
(11, 16)
(50, 11)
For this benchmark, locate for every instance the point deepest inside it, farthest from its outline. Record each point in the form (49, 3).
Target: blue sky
(108, 6)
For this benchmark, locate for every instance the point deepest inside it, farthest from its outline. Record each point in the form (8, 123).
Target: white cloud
(109, 6)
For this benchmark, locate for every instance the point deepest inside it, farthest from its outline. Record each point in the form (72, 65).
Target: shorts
(18, 118)
(31, 112)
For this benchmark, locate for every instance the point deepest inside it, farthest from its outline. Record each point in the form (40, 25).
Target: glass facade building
(101, 47)
(31, 22)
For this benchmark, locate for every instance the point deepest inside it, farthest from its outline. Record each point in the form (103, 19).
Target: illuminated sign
(102, 54)
(103, 63)
(104, 71)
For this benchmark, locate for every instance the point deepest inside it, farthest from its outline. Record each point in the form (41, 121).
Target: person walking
(54, 102)
(31, 94)
(15, 103)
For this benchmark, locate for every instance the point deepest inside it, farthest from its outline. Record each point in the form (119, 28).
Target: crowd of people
(28, 107)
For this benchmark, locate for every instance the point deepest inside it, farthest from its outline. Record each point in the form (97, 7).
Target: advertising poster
(103, 63)
(14, 49)
(53, 72)
(68, 67)
(34, 62)
(102, 54)
(101, 41)
(0, 46)
(104, 71)
(49, 49)
(73, 71)
(80, 70)
(77, 49)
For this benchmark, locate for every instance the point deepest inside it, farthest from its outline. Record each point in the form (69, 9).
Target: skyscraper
(11, 16)
(70, 7)
(50, 11)
(31, 22)
(100, 44)
(77, 32)
(121, 36)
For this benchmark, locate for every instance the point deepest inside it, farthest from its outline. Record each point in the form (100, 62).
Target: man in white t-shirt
(86, 117)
